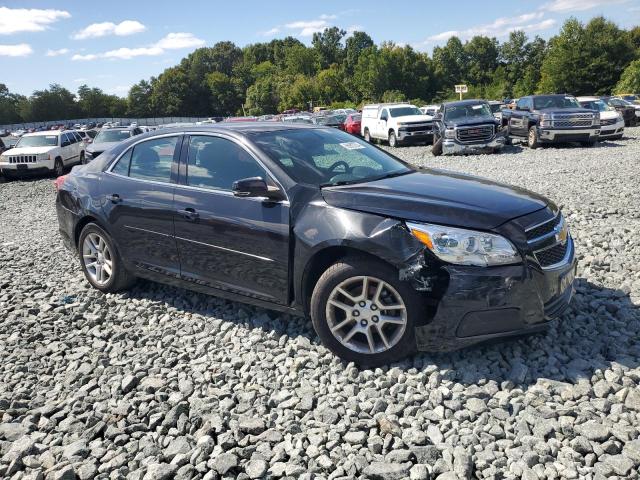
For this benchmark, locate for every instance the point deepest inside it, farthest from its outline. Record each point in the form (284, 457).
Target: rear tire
(58, 167)
(100, 261)
(532, 139)
(83, 160)
(376, 341)
(367, 135)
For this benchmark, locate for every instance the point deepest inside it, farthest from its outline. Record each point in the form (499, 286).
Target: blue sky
(114, 44)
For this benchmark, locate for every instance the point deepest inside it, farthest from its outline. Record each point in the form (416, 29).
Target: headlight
(545, 120)
(620, 117)
(400, 124)
(449, 133)
(596, 119)
(465, 247)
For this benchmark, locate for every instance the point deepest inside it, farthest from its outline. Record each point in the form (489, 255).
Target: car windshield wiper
(395, 173)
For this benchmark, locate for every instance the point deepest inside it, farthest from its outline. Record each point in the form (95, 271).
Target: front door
(236, 244)
(138, 201)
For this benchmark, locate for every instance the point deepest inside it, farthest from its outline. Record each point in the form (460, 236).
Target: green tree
(450, 63)
(481, 55)
(225, 97)
(139, 100)
(168, 94)
(630, 79)
(354, 45)
(328, 44)
(10, 106)
(301, 60)
(262, 97)
(586, 60)
(54, 103)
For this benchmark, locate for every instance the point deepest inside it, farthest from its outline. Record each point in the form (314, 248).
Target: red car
(352, 123)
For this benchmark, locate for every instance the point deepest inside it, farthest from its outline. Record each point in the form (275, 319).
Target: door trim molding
(266, 259)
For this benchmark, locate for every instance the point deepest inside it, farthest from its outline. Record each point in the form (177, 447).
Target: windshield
(327, 157)
(554, 101)
(355, 118)
(38, 141)
(598, 105)
(630, 98)
(110, 136)
(471, 110)
(402, 111)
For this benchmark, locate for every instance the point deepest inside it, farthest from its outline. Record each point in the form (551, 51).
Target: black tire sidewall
(58, 171)
(367, 135)
(113, 283)
(353, 267)
(436, 149)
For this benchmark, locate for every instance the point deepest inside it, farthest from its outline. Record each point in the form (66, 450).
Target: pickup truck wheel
(83, 160)
(532, 138)
(436, 149)
(393, 141)
(506, 130)
(100, 261)
(367, 135)
(364, 314)
(58, 167)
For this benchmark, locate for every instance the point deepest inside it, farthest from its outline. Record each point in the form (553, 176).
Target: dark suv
(384, 257)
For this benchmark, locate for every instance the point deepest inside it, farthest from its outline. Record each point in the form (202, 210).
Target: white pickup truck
(40, 152)
(396, 123)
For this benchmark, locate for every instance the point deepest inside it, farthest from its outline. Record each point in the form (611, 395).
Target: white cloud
(268, 33)
(499, 27)
(122, 29)
(18, 50)
(578, 5)
(173, 41)
(328, 17)
(129, 53)
(308, 27)
(57, 53)
(14, 20)
(89, 56)
(354, 28)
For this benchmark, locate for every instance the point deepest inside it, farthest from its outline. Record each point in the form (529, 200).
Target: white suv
(48, 151)
(396, 123)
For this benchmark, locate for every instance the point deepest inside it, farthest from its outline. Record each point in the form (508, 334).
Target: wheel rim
(59, 168)
(366, 315)
(97, 258)
(532, 137)
(392, 140)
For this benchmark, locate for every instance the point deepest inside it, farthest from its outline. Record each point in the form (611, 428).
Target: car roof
(587, 99)
(238, 127)
(460, 103)
(43, 132)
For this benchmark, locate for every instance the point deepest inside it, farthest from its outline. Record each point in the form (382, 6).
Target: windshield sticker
(352, 145)
(476, 107)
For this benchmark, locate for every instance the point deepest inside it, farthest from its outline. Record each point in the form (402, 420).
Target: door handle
(114, 198)
(189, 214)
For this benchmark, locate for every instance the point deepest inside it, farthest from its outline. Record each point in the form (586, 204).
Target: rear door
(236, 244)
(381, 126)
(137, 194)
(518, 117)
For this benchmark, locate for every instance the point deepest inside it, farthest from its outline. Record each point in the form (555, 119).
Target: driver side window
(216, 163)
(384, 115)
(522, 104)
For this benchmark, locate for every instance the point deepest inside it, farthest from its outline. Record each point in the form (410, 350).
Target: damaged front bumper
(452, 146)
(481, 303)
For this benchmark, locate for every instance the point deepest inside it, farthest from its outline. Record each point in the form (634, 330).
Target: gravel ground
(162, 383)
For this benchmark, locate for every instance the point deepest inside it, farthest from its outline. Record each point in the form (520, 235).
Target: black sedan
(384, 257)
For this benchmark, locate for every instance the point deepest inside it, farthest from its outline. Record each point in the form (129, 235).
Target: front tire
(58, 167)
(364, 314)
(393, 141)
(436, 149)
(532, 139)
(101, 264)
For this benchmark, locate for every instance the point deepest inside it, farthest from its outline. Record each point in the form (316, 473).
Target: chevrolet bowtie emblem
(562, 233)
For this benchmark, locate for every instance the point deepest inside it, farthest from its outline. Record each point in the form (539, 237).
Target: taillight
(59, 181)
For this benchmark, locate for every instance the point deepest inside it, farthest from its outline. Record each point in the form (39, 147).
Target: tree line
(348, 70)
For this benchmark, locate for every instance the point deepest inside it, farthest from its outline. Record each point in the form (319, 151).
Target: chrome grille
(23, 159)
(609, 121)
(539, 231)
(552, 255)
(480, 133)
(417, 126)
(572, 120)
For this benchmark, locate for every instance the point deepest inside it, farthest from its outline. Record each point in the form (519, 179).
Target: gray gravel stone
(387, 471)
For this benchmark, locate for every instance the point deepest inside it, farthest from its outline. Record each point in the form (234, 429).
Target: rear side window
(152, 160)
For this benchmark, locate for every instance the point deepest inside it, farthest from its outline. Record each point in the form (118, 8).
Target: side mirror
(256, 187)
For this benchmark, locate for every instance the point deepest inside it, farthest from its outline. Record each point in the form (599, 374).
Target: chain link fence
(149, 121)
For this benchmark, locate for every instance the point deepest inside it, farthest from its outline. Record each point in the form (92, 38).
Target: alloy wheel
(97, 259)
(366, 315)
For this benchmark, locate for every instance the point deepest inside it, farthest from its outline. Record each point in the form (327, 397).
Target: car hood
(413, 118)
(28, 150)
(100, 147)
(609, 115)
(470, 121)
(438, 196)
